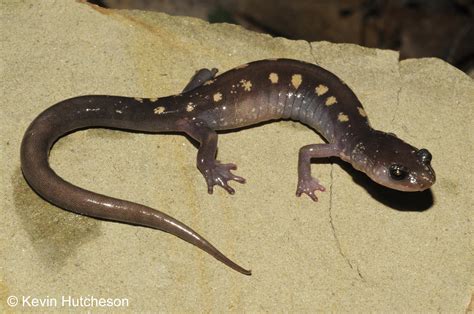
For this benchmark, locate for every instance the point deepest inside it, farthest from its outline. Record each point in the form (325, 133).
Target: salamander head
(393, 163)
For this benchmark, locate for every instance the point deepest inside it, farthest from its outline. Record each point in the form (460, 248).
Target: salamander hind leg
(199, 78)
(214, 172)
(306, 183)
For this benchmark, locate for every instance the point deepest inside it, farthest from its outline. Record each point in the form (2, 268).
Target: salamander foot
(219, 174)
(308, 187)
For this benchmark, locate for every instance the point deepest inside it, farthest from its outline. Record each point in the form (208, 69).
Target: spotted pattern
(190, 107)
(154, 99)
(342, 117)
(321, 89)
(217, 97)
(209, 82)
(362, 112)
(139, 99)
(331, 100)
(242, 66)
(159, 110)
(296, 80)
(273, 77)
(247, 85)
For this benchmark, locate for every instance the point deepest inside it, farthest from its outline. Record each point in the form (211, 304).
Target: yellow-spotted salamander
(251, 93)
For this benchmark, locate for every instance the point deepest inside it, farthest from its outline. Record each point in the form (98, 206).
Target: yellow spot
(190, 107)
(247, 85)
(154, 99)
(296, 80)
(159, 110)
(331, 101)
(362, 111)
(217, 97)
(242, 66)
(342, 117)
(139, 99)
(321, 89)
(209, 82)
(273, 77)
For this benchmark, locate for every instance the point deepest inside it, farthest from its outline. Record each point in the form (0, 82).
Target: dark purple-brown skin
(255, 92)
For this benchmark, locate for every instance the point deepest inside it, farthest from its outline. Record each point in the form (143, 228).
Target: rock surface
(357, 249)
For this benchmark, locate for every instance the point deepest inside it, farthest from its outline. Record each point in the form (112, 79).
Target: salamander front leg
(199, 78)
(213, 171)
(306, 183)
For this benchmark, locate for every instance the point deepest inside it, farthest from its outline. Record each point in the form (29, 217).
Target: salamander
(246, 95)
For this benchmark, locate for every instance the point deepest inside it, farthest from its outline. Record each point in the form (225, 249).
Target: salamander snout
(393, 163)
(415, 177)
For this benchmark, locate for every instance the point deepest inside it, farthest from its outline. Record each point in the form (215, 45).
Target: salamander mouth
(411, 188)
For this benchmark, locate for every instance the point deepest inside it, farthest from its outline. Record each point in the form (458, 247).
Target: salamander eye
(398, 172)
(424, 155)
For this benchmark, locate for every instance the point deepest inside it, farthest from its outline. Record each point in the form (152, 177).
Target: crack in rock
(312, 53)
(336, 238)
(399, 91)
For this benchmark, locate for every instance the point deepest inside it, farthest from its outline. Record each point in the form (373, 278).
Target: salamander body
(255, 92)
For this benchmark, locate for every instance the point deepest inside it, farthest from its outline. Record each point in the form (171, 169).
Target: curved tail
(37, 142)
